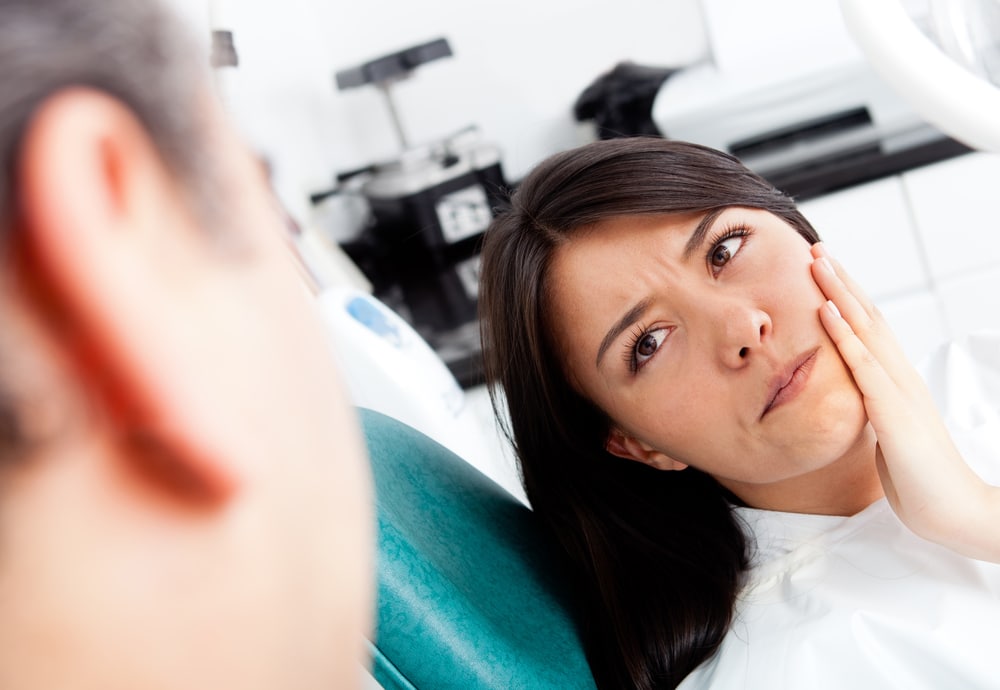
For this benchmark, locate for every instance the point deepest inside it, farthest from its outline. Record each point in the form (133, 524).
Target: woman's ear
(627, 446)
(111, 255)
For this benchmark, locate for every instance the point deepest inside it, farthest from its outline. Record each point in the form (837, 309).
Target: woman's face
(700, 337)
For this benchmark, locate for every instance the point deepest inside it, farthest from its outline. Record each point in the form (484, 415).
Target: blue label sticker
(369, 315)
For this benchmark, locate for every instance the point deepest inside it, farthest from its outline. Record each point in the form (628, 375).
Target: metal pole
(384, 87)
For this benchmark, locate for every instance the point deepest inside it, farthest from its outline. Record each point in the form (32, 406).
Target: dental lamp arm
(943, 92)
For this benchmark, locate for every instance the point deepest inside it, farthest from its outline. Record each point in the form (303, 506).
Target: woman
(683, 365)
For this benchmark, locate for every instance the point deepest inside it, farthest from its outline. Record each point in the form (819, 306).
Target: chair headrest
(469, 593)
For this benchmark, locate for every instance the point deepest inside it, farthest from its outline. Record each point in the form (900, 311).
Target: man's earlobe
(627, 446)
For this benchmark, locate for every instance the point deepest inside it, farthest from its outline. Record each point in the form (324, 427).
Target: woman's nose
(743, 330)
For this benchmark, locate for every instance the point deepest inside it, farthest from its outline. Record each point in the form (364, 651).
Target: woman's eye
(648, 344)
(725, 250)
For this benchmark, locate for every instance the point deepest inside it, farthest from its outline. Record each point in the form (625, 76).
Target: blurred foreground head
(183, 497)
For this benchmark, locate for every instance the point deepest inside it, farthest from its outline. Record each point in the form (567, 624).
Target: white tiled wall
(924, 246)
(868, 229)
(918, 321)
(955, 214)
(972, 301)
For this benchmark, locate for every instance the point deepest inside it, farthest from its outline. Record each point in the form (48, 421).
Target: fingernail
(825, 263)
(821, 248)
(833, 308)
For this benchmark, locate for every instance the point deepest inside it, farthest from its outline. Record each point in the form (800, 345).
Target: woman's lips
(786, 385)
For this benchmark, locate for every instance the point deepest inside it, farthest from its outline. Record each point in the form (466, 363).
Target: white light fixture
(952, 92)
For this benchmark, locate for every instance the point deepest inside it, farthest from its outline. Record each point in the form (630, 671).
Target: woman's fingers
(875, 383)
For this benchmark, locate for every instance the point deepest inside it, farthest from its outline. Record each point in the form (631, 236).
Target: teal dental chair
(469, 595)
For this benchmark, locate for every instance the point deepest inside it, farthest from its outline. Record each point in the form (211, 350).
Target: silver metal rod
(393, 113)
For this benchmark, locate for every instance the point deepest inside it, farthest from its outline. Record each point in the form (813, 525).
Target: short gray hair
(134, 50)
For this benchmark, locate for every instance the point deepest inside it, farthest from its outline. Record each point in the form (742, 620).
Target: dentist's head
(183, 497)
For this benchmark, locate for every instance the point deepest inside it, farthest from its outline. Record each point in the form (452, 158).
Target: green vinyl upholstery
(469, 595)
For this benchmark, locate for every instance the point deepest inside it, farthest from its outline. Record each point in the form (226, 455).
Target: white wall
(919, 244)
(517, 68)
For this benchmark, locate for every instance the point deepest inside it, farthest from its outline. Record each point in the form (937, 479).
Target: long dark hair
(657, 556)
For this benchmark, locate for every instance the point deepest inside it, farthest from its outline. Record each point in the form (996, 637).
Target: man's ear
(108, 252)
(627, 446)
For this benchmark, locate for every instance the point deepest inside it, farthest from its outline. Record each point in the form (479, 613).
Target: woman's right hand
(927, 482)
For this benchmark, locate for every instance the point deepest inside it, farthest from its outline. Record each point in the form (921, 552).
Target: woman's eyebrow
(633, 314)
(630, 317)
(698, 236)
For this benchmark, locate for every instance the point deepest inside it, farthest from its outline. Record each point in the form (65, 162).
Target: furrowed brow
(633, 314)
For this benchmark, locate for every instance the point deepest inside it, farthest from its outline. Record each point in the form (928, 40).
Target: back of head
(184, 499)
(659, 553)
